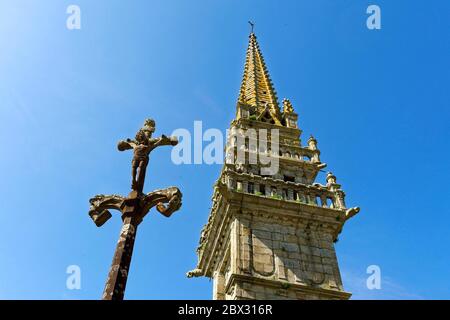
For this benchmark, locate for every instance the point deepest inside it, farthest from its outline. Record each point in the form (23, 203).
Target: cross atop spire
(257, 87)
(252, 25)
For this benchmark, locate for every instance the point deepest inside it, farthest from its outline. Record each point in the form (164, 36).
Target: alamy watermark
(374, 280)
(374, 20)
(239, 146)
(73, 281)
(73, 21)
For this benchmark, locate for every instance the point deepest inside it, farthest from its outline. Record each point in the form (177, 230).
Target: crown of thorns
(149, 123)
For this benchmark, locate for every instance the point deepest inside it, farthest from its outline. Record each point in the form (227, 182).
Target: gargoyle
(194, 273)
(349, 213)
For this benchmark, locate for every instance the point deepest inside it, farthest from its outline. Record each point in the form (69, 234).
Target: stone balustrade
(297, 153)
(316, 195)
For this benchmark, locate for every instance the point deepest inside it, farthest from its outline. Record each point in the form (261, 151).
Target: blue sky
(377, 102)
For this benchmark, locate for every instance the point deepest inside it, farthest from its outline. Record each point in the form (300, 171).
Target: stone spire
(257, 88)
(271, 236)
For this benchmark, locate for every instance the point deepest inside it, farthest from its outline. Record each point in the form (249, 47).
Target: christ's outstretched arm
(126, 145)
(165, 141)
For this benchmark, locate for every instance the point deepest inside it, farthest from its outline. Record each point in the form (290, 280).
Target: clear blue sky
(377, 101)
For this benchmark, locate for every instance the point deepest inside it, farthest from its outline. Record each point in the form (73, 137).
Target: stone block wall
(281, 259)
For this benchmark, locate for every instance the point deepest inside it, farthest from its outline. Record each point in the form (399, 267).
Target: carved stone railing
(315, 195)
(301, 154)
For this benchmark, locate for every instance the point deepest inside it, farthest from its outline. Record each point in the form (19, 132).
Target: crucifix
(134, 207)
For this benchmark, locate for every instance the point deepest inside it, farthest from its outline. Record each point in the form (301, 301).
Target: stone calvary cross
(134, 207)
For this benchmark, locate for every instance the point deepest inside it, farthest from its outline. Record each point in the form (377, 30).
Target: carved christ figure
(142, 146)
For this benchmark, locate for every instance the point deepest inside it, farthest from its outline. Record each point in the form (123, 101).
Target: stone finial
(332, 185)
(331, 178)
(312, 143)
(287, 106)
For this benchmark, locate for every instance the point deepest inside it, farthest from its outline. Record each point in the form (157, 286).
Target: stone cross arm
(166, 201)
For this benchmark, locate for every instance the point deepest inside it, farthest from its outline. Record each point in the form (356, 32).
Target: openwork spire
(257, 88)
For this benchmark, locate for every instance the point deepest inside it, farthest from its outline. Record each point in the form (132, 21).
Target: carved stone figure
(134, 207)
(142, 146)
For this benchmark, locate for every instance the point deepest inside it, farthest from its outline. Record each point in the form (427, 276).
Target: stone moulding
(329, 294)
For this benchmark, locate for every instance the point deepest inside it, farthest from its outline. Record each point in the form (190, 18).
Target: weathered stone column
(120, 266)
(218, 286)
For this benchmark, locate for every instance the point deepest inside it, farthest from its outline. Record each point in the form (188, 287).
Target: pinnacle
(257, 88)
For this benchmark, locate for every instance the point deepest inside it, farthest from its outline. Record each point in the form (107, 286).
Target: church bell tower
(271, 233)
